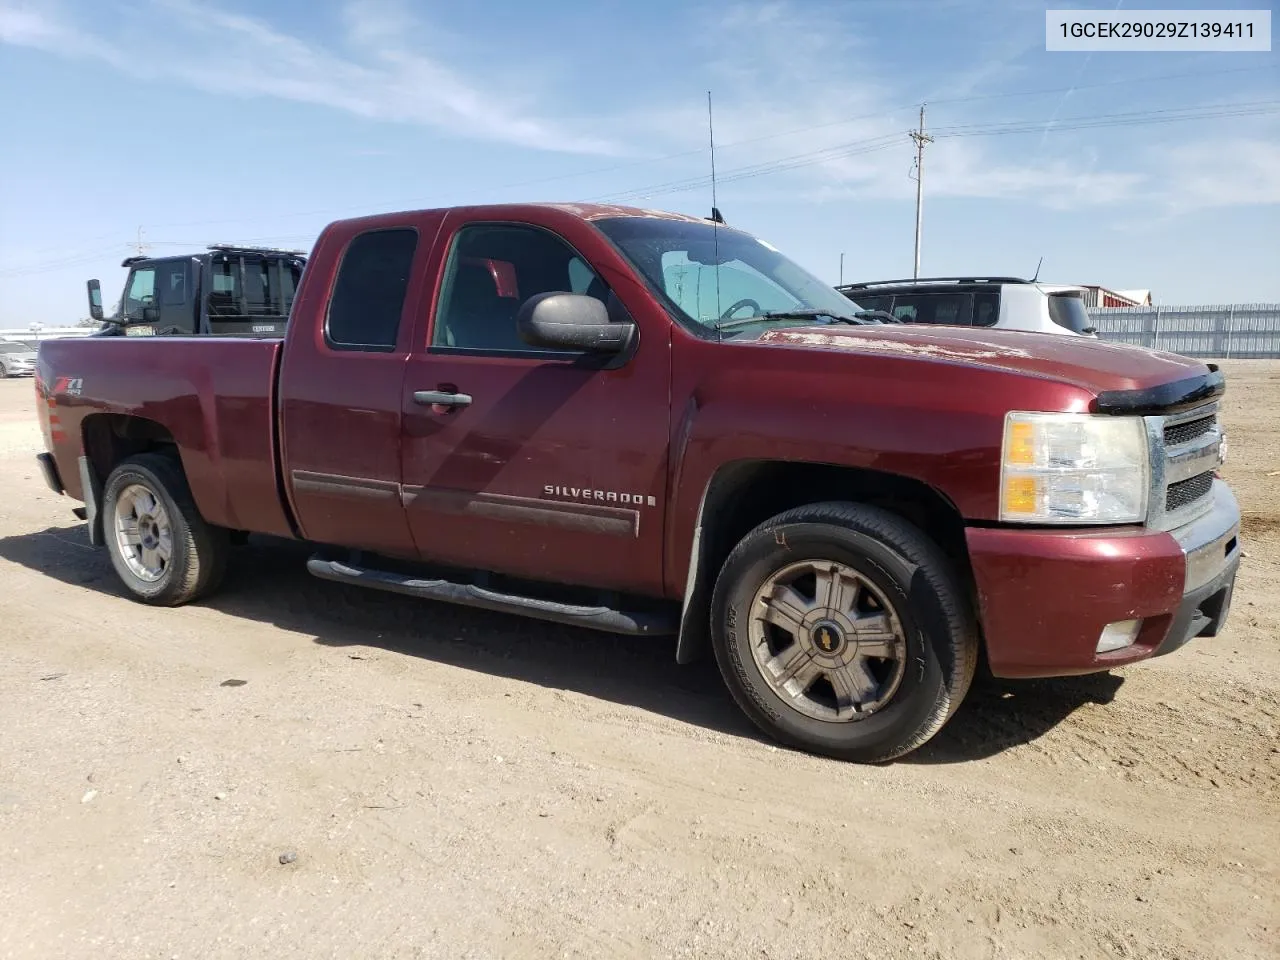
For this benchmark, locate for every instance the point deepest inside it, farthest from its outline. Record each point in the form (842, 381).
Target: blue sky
(234, 121)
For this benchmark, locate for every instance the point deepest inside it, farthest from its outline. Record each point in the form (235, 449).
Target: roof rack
(911, 282)
(237, 248)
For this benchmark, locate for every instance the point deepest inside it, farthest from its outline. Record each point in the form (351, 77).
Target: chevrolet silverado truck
(648, 423)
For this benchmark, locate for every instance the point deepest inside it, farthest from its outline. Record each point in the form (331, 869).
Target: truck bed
(213, 397)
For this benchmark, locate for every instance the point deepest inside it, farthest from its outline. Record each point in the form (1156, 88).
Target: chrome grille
(1181, 433)
(1184, 454)
(1186, 492)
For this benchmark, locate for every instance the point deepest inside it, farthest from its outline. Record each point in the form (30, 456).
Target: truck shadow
(1001, 714)
(267, 582)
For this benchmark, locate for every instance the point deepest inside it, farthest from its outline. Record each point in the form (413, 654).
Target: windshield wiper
(799, 313)
(877, 316)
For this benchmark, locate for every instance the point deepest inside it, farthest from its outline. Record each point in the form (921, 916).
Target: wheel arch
(107, 439)
(743, 494)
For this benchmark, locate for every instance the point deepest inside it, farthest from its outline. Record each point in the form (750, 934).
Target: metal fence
(1241, 330)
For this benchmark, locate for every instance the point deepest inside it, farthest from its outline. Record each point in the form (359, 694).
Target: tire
(197, 551)
(898, 596)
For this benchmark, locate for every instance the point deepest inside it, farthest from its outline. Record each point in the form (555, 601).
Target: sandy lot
(461, 785)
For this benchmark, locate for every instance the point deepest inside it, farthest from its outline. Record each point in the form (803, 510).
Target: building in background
(1096, 296)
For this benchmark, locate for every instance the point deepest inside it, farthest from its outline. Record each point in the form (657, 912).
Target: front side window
(723, 279)
(493, 269)
(368, 296)
(141, 292)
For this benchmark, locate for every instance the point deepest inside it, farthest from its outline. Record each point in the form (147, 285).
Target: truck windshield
(713, 276)
(252, 286)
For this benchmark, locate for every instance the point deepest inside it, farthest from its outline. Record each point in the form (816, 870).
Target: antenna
(1037, 276)
(716, 219)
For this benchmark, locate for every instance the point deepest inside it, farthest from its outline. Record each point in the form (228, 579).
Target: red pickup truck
(648, 423)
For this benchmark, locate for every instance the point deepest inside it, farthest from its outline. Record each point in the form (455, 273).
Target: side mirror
(95, 299)
(572, 321)
(150, 314)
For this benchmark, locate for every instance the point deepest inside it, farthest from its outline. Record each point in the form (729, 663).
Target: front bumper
(1046, 595)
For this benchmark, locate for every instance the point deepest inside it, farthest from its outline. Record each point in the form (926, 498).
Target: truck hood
(1094, 365)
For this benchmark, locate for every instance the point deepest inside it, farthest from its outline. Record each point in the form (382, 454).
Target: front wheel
(840, 629)
(160, 546)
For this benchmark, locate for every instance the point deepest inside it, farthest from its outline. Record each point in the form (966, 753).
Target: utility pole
(920, 138)
(138, 245)
(842, 269)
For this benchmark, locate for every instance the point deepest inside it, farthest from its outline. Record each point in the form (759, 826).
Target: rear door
(340, 390)
(540, 464)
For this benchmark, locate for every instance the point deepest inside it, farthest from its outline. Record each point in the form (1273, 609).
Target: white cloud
(1222, 173)
(384, 77)
(782, 66)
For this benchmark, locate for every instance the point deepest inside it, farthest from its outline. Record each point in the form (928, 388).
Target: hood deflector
(1165, 397)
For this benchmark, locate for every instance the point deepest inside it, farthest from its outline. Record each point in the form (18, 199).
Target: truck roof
(498, 211)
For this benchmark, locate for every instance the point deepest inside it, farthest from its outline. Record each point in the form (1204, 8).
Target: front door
(525, 461)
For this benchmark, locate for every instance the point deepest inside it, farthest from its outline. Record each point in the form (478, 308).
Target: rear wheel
(160, 546)
(840, 629)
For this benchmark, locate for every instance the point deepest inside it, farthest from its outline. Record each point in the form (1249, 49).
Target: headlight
(1073, 468)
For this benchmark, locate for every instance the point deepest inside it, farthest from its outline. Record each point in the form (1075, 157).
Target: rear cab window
(368, 294)
(252, 286)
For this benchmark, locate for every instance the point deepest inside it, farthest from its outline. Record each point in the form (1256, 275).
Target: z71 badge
(68, 386)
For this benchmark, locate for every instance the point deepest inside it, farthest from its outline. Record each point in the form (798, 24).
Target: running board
(595, 618)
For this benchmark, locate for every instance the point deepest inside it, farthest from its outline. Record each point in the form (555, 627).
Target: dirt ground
(463, 785)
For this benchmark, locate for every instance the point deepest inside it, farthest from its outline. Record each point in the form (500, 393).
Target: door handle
(442, 398)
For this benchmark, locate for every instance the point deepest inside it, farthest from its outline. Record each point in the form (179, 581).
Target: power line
(1134, 118)
(139, 247)
(855, 148)
(650, 161)
(784, 164)
(1123, 81)
(839, 151)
